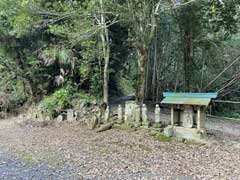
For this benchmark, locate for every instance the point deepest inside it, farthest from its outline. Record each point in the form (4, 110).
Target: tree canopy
(107, 48)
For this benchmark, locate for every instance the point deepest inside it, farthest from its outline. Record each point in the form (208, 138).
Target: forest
(120, 89)
(56, 53)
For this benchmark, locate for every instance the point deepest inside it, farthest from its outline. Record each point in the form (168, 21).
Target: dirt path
(114, 154)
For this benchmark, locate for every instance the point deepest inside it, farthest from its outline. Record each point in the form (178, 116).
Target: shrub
(62, 99)
(82, 98)
(55, 103)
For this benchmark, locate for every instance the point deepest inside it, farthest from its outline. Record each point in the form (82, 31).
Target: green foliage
(16, 100)
(43, 41)
(81, 98)
(55, 103)
(64, 98)
(125, 86)
(227, 110)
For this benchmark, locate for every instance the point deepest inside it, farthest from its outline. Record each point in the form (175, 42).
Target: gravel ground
(68, 151)
(14, 168)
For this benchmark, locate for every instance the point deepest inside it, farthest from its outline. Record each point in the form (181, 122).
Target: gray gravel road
(13, 168)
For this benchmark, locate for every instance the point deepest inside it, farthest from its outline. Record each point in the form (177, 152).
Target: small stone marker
(188, 117)
(157, 114)
(145, 121)
(41, 116)
(168, 131)
(92, 122)
(47, 118)
(70, 115)
(60, 118)
(107, 114)
(120, 113)
(137, 116)
(126, 115)
(157, 123)
(99, 115)
(129, 115)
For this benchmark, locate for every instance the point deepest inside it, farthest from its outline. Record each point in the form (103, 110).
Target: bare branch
(220, 74)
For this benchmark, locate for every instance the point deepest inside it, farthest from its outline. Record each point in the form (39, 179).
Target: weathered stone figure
(157, 114)
(130, 112)
(188, 117)
(137, 116)
(127, 113)
(107, 114)
(70, 115)
(157, 123)
(120, 113)
(101, 112)
(59, 118)
(145, 121)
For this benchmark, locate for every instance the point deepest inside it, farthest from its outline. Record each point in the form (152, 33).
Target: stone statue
(157, 123)
(188, 117)
(137, 116)
(107, 114)
(120, 113)
(157, 114)
(130, 112)
(70, 115)
(145, 121)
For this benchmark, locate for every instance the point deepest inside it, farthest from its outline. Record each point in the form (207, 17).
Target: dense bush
(64, 98)
(55, 103)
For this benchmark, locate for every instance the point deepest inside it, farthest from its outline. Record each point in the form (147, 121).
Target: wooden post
(172, 115)
(198, 118)
(210, 108)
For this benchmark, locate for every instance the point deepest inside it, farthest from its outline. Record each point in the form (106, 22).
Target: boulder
(105, 127)
(59, 118)
(168, 131)
(92, 123)
(70, 115)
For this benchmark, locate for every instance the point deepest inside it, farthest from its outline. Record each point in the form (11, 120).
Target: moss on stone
(125, 127)
(162, 138)
(191, 142)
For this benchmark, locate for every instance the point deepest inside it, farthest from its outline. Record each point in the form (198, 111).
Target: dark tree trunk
(188, 52)
(143, 55)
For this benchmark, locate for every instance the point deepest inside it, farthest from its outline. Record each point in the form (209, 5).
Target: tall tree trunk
(142, 61)
(188, 51)
(202, 70)
(106, 77)
(106, 54)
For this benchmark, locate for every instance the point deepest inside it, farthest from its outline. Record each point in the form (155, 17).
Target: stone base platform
(183, 132)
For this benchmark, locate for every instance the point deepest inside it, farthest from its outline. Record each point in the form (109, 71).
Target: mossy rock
(125, 127)
(180, 139)
(153, 133)
(162, 138)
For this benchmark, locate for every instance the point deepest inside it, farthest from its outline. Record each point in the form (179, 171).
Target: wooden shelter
(188, 111)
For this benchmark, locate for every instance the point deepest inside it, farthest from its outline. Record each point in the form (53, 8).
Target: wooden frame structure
(188, 111)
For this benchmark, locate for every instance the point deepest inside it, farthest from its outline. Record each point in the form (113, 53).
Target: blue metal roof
(190, 95)
(200, 99)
